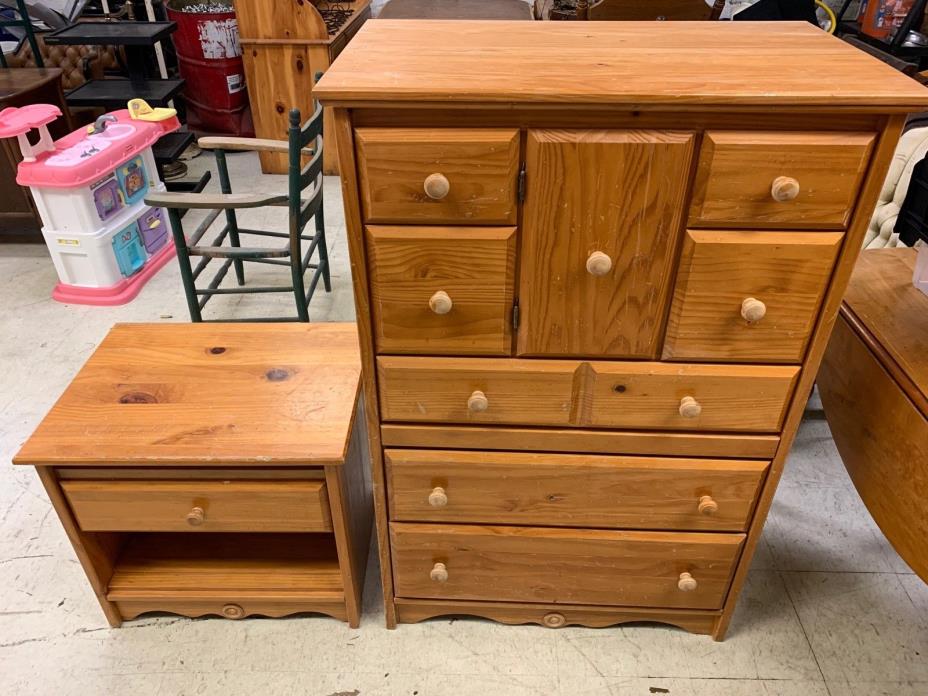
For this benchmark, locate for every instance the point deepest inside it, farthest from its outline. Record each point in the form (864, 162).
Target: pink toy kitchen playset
(89, 188)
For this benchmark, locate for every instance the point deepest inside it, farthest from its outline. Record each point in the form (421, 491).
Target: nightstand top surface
(636, 65)
(207, 395)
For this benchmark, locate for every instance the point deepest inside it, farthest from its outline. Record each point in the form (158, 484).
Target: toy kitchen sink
(89, 188)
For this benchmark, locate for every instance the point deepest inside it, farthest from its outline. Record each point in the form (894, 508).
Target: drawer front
(779, 178)
(533, 564)
(748, 296)
(442, 290)
(204, 506)
(446, 175)
(637, 395)
(572, 490)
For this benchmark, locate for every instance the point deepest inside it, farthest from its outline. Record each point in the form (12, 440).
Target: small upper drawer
(569, 566)
(140, 505)
(442, 290)
(636, 395)
(460, 176)
(748, 296)
(569, 490)
(778, 178)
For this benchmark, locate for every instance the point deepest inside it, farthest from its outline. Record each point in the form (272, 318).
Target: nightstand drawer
(748, 296)
(583, 566)
(600, 394)
(802, 180)
(199, 506)
(528, 488)
(438, 175)
(442, 290)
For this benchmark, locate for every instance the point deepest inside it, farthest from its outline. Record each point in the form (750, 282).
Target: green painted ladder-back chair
(303, 141)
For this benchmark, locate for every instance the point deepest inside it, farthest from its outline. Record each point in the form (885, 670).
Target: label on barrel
(236, 83)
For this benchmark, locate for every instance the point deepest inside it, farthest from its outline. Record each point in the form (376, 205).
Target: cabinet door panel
(603, 212)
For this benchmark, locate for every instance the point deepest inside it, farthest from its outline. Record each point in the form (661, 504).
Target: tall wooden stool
(214, 469)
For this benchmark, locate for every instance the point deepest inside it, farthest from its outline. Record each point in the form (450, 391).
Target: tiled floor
(829, 608)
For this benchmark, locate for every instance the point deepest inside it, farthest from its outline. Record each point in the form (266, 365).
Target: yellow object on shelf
(139, 110)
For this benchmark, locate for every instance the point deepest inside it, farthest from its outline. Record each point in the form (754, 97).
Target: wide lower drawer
(603, 394)
(208, 506)
(528, 488)
(530, 564)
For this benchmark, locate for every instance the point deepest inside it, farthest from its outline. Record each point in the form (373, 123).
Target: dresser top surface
(207, 395)
(655, 65)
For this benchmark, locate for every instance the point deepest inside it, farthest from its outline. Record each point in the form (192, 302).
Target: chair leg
(183, 259)
(323, 250)
(225, 185)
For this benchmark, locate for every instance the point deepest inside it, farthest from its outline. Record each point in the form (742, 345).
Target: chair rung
(238, 252)
(243, 290)
(272, 262)
(265, 233)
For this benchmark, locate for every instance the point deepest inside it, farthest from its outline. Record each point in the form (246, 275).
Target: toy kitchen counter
(89, 188)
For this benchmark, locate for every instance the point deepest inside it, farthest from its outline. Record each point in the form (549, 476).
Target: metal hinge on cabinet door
(515, 317)
(522, 184)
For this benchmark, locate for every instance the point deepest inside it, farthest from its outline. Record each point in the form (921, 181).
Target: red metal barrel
(210, 60)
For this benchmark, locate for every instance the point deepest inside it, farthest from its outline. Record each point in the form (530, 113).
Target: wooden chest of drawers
(214, 469)
(594, 279)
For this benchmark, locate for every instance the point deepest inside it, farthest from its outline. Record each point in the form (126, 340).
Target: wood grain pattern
(218, 566)
(755, 64)
(572, 566)
(888, 459)
(250, 606)
(692, 620)
(737, 169)
(140, 400)
(351, 196)
(228, 506)
(579, 441)
(599, 394)
(618, 194)
(787, 271)
(474, 266)
(527, 488)
(481, 166)
(881, 297)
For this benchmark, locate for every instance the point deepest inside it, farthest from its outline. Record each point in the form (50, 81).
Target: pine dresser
(595, 268)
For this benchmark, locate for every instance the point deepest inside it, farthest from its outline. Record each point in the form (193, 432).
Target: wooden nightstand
(214, 469)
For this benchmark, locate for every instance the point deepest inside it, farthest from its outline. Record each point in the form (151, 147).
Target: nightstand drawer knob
(196, 517)
(707, 506)
(554, 620)
(436, 186)
(598, 264)
(687, 583)
(784, 188)
(689, 407)
(478, 402)
(439, 573)
(753, 309)
(440, 302)
(233, 611)
(438, 497)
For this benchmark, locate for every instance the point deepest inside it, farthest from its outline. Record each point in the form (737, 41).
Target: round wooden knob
(478, 402)
(196, 516)
(436, 186)
(554, 620)
(438, 497)
(784, 188)
(439, 573)
(689, 407)
(598, 264)
(233, 611)
(686, 583)
(440, 302)
(753, 309)
(707, 506)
